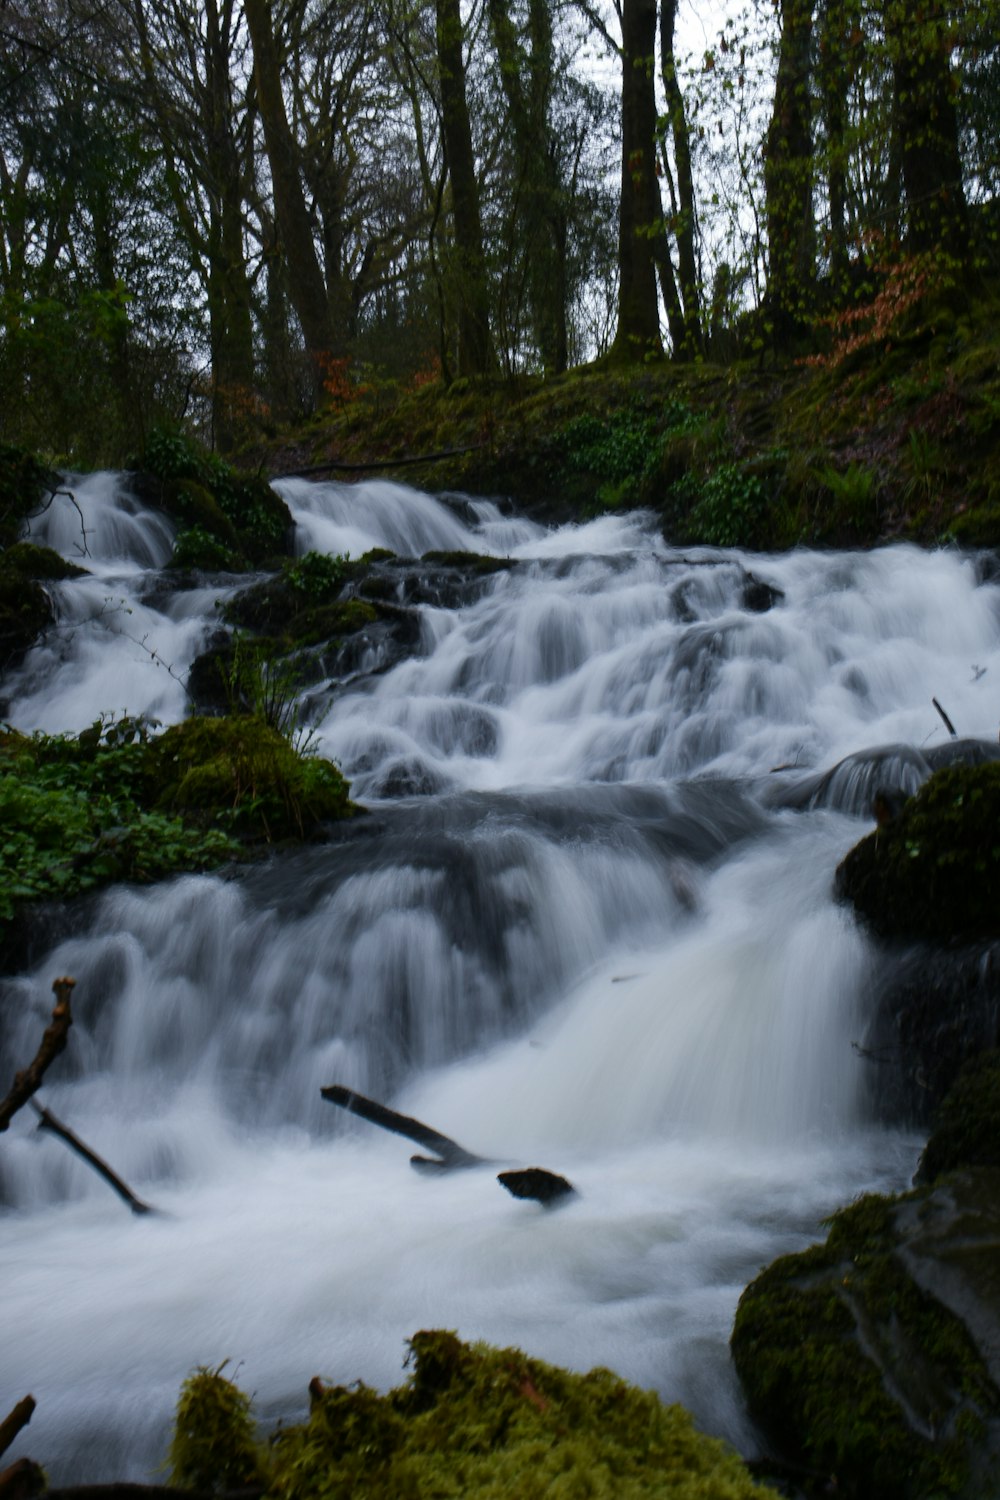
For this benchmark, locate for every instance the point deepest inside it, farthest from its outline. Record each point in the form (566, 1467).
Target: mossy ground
(900, 439)
(470, 1421)
(933, 871)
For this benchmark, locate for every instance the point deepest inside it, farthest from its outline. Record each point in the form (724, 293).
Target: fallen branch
(341, 466)
(48, 1121)
(947, 722)
(29, 1081)
(449, 1155)
(525, 1182)
(14, 1421)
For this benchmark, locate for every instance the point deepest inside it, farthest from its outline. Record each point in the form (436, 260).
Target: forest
(229, 216)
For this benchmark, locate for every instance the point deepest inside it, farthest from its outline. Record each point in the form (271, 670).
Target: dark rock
(967, 1124)
(537, 1183)
(758, 596)
(933, 871)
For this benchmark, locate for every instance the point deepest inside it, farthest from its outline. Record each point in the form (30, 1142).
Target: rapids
(602, 940)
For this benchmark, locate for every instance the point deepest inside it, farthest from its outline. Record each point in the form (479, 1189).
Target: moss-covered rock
(967, 1124)
(857, 1371)
(246, 775)
(933, 870)
(471, 1421)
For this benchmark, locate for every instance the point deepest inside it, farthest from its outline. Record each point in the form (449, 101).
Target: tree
(684, 216)
(638, 310)
(788, 176)
(475, 355)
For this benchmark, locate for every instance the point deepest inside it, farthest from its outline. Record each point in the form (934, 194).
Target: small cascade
(587, 923)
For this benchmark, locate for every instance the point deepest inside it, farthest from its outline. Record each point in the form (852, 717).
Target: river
(587, 924)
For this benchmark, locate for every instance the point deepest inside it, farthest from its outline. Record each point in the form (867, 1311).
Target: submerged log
(48, 1121)
(450, 1156)
(29, 1080)
(525, 1182)
(14, 1421)
(22, 1481)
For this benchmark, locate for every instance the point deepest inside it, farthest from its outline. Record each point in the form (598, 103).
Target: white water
(603, 946)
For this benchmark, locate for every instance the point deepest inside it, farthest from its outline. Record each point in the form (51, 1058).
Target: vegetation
(470, 1420)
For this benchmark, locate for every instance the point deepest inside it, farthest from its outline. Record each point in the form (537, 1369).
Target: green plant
(264, 685)
(197, 548)
(727, 508)
(317, 574)
(854, 489)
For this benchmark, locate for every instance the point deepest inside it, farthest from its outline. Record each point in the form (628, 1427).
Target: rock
(933, 871)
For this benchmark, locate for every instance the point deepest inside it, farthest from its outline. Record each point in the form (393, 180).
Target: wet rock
(758, 596)
(933, 871)
(870, 1360)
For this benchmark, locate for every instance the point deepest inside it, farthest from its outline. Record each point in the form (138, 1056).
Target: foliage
(213, 1446)
(724, 510)
(77, 813)
(317, 574)
(241, 511)
(198, 548)
(473, 1420)
(910, 286)
(932, 872)
(24, 479)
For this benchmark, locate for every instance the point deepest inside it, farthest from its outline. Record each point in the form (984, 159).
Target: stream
(587, 924)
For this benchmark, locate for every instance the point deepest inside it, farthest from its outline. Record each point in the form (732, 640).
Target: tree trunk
(474, 347)
(923, 101)
(687, 260)
(788, 177)
(307, 288)
(638, 331)
(840, 24)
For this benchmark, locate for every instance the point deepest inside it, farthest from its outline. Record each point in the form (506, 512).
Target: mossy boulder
(860, 1357)
(25, 607)
(471, 1421)
(967, 1124)
(932, 871)
(243, 774)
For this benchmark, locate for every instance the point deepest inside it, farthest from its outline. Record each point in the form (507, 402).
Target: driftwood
(30, 1079)
(526, 1182)
(14, 1421)
(449, 1155)
(48, 1121)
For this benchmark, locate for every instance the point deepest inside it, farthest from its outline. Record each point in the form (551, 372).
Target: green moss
(967, 1124)
(197, 548)
(857, 1373)
(245, 774)
(933, 871)
(38, 562)
(214, 1445)
(471, 563)
(490, 1423)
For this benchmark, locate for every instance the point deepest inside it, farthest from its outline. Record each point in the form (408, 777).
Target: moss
(242, 772)
(214, 1445)
(857, 1373)
(471, 563)
(967, 1124)
(197, 548)
(39, 563)
(932, 872)
(473, 1420)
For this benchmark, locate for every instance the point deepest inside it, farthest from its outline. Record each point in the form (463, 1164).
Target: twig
(29, 1081)
(947, 722)
(341, 466)
(84, 550)
(14, 1421)
(48, 1121)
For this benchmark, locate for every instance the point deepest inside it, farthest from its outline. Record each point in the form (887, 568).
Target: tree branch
(29, 1081)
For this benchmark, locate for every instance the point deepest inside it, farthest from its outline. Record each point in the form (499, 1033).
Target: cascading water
(602, 941)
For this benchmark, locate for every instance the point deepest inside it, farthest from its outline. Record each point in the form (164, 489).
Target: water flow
(604, 944)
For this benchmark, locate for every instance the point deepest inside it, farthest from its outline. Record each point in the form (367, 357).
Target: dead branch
(29, 1080)
(449, 1155)
(48, 1121)
(947, 722)
(84, 549)
(14, 1421)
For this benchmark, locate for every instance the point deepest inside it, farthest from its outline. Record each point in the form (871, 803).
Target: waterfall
(587, 923)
